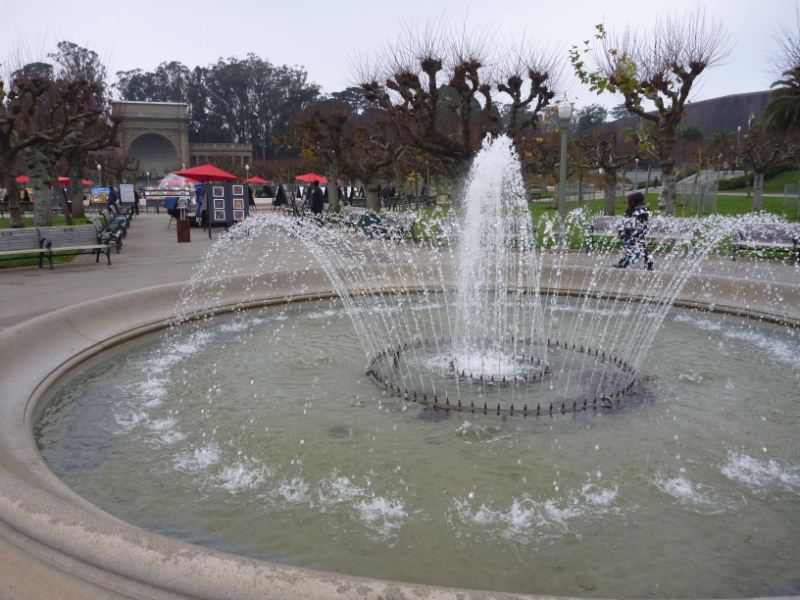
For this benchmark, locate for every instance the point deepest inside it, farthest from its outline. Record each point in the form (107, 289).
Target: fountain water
(257, 433)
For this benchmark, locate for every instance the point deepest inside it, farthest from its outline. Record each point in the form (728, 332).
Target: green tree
(620, 111)
(590, 117)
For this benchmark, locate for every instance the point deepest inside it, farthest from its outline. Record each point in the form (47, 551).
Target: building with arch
(157, 135)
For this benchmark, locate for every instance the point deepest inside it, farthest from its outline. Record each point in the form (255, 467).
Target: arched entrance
(155, 153)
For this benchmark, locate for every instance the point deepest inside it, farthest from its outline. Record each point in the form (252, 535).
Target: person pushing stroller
(633, 233)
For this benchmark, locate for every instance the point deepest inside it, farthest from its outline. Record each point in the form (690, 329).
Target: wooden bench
(660, 230)
(82, 239)
(15, 243)
(771, 236)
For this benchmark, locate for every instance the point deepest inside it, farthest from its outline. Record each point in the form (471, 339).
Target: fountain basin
(53, 539)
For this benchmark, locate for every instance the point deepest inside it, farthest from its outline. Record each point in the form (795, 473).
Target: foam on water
(382, 515)
(197, 459)
(294, 490)
(245, 474)
(527, 520)
(761, 475)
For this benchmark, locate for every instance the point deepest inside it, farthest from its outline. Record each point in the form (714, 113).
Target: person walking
(633, 233)
(317, 199)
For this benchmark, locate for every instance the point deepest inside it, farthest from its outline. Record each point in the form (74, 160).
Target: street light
(636, 174)
(99, 175)
(564, 115)
(148, 178)
(246, 172)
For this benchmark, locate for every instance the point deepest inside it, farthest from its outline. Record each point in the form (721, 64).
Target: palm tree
(783, 111)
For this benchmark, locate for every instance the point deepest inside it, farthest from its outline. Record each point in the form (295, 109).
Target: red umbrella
(311, 177)
(256, 180)
(207, 172)
(23, 179)
(63, 180)
(87, 182)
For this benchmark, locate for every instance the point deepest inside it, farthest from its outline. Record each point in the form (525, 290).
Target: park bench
(768, 236)
(17, 243)
(660, 231)
(81, 239)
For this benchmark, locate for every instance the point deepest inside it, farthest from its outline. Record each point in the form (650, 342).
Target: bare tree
(604, 151)
(657, 68)
(441, 87)
(762, 149)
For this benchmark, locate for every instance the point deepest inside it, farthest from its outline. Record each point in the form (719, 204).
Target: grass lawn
(5, 222)
(775, 185)
(33, 259)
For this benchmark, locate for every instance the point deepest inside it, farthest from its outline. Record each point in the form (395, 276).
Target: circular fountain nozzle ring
(601, 381)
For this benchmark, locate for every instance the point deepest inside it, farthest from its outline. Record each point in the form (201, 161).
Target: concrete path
(152, 256)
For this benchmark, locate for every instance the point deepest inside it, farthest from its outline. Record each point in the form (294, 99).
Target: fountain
(465, 411)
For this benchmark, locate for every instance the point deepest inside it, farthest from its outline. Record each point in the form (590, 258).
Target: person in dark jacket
(280, 197)
(633, 233)
(316, 198)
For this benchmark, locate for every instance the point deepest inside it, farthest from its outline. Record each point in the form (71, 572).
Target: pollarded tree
(603, 150)
(659, 69)
(760, 150)
(437, 87)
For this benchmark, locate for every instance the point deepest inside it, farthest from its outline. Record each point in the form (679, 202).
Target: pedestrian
(633, 233)
(316, 198)
(280, 197)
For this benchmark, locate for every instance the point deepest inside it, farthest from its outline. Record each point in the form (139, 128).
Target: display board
(226, 203)
(98, 196)
(154, 196)
(126, 193)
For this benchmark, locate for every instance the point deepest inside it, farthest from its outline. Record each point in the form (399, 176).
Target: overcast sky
(326, 36)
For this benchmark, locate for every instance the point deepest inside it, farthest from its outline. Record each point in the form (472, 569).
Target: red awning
(23, 179)
(256, 180)
(207, 172)
(311, 177)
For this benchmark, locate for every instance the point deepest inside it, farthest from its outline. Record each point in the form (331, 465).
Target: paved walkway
(152, 256)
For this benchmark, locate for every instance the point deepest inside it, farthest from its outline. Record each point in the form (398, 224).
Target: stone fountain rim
(62, 542)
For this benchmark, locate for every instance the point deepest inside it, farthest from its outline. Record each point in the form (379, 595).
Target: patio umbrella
(311, 177)
(63, 180)
(23, 179)
(87, 182)
(206, 173)
(256, 180)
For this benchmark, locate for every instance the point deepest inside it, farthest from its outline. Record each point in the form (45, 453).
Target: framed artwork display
(238, 190)
(218, 191)
(219, 215)
(238, 203)
(238, 215)
(219, 203)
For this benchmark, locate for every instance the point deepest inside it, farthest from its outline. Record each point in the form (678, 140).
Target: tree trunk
(580, 189)
(40, 172)
(667, 200)
(333, 187)
(758, 190)
(12, 190)
(76, 185)
(647, 183)
(373, 199)
(610, 201)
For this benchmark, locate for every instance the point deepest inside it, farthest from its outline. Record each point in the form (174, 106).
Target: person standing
(317, 198)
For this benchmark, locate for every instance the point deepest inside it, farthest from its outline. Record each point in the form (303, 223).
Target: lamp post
(246, 173)
(148, 178)
(99, 175)
(564, 115)
(636, 174)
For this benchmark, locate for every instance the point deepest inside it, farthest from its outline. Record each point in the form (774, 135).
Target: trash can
(184, 231)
